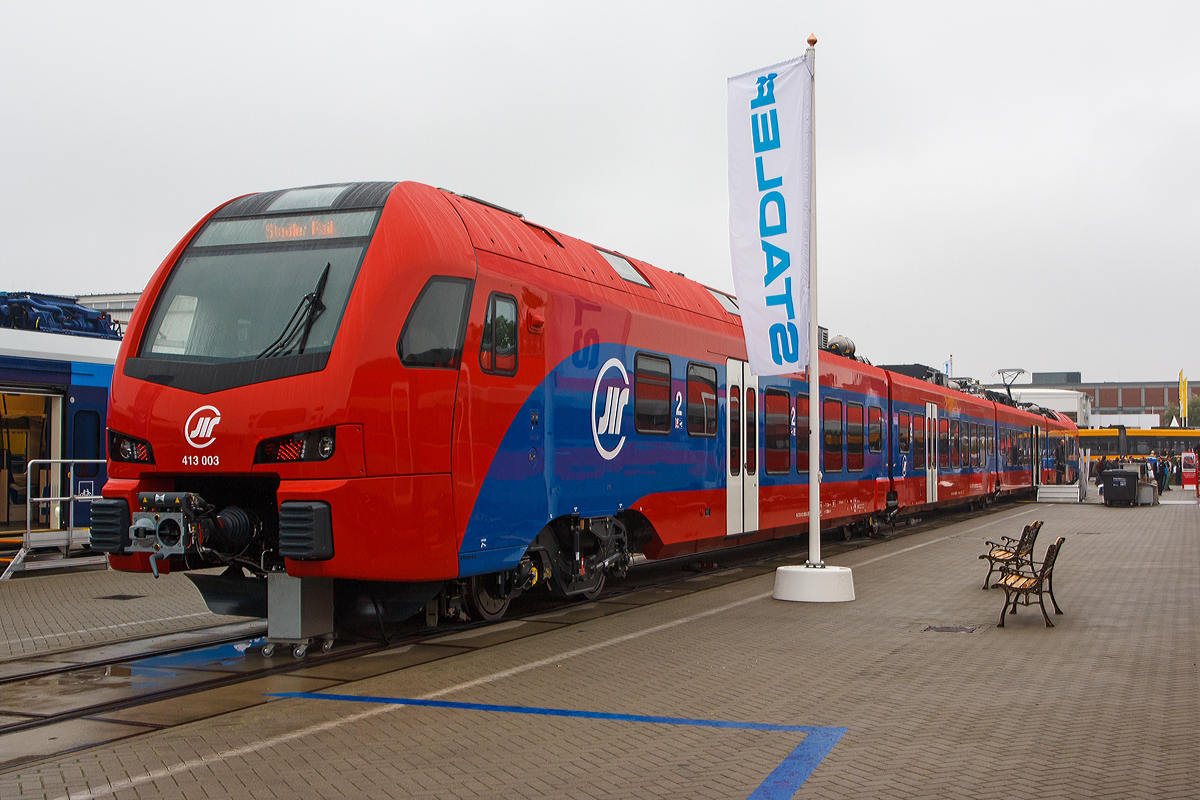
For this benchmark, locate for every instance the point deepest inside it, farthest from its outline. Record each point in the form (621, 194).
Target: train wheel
(593, 593)
(486, 596)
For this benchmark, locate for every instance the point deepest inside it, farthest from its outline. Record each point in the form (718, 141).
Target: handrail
(31, 501)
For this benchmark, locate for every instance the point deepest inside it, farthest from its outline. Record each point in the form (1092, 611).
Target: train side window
(954, 444)
(831, 423)
(944, 443)
(498, 349)
(433, 333)
(86, 442)
(966, 445)
(777, 423)
(701, 400)
(652, 395)
(918, 441)
(751, 432)
(903, 433)
(735, 430)
(854, 437)
(802, 434)
(875, 429)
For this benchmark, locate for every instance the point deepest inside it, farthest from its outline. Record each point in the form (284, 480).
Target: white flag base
(814, 584)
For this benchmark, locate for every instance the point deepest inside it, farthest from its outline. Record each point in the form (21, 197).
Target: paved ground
(43, 613)
(1105, 704)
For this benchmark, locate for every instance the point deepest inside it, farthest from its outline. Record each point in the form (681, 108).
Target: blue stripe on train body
(595, 464)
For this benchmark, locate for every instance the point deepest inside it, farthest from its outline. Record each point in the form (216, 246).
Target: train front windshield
(259, 288)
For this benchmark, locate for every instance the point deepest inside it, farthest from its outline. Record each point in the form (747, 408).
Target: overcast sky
(1014, 183)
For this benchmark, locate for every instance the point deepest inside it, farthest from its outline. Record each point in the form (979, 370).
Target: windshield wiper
(300, 325)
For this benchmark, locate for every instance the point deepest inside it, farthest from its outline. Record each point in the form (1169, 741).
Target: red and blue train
(422, 395)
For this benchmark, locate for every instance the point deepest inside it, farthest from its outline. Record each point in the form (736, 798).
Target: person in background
(1060, 461)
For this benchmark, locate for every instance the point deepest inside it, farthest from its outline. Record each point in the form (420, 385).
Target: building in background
(1135, 404)
(119, 306)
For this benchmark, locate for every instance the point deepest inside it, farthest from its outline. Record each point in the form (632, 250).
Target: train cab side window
(751, 432)
(652, 395)
(735, 430)
(854, 437)
(944, 443)
(498, 346)
(802, 434)
(433, 333)
(87, 443)
(701, 400)
(904, 432)
(778, 458)
(831, 422)
(875, 429)
(954, 444)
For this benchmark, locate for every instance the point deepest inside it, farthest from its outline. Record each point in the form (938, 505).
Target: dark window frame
(750, 410)
(734, 403)
(943, 443)
(856, 453)
(637, 396)
(802, 442)
(839, 431)
(489, 344)
(769, 451)
(904, 432)
(95, 448)
(462, 323)
(918, 435)
(955, 446)
(694, 367)
(875, 429)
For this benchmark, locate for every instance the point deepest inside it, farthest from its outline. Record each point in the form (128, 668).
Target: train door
(31, 425)
(1039, 444)
(931, 453)
(741, 448)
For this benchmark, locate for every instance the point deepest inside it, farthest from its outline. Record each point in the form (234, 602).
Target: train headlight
(129, 450)
(325, 446)
(317, 445)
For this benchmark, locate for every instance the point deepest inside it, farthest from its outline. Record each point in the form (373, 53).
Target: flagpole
(814, 582)
(814, 344)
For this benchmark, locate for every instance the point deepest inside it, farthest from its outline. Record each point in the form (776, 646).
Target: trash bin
(1120, 486)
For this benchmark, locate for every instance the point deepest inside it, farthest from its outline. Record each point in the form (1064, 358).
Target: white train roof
(57, 346)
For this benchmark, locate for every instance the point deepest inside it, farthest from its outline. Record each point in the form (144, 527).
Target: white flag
(770, 191)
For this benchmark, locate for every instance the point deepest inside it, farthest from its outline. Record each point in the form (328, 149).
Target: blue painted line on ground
(790, 775)
(781, 784)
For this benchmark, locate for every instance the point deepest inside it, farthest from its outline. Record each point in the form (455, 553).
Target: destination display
(302, 227)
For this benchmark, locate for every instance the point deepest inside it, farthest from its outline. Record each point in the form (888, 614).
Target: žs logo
(198, 430)
(606, 422)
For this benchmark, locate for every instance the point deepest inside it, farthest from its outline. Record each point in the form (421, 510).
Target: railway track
(193, 663)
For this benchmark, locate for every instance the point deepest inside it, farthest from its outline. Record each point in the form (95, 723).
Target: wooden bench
(1041, 581)
(1011, 553)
